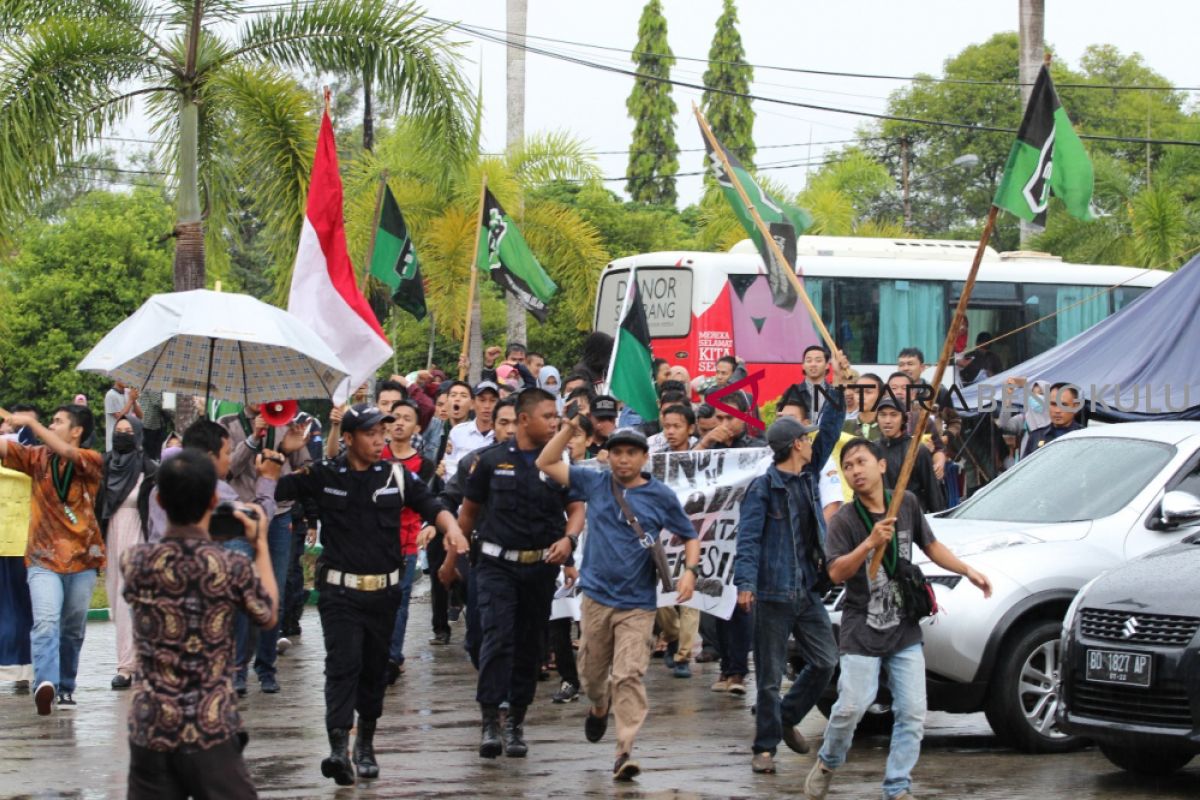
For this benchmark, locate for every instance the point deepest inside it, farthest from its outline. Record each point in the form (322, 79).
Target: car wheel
(1023, 695)
(1146, 761)
(876, 722)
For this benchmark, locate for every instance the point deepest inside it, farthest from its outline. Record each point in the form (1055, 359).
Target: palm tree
(438, 193)
(1137, 225)
(213, 82)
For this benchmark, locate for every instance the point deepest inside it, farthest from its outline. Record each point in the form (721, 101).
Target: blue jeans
(857, 688)
(735, 636)
(396, 650)
(279, 543)
(241, 623)
(60, 605)
(807, 620)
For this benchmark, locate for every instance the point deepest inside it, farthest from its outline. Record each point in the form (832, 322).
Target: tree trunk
(189, 228)
(475, 345)
(368, 114)
(517, 13)
(1032, 48)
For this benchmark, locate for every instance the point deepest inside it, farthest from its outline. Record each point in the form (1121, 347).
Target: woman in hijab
(126, 468)
(551, 381)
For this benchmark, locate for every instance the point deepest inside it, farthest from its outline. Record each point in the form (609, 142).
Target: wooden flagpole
(462, 368)
(960, 313)
(766, 234)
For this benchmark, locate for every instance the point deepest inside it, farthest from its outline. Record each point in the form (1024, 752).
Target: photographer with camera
(360, 575)
(185, 735)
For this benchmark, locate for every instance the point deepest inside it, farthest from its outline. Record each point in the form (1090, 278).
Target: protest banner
(710, 485)
(15, 489)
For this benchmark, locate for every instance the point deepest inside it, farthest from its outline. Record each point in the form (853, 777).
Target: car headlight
(997, 542)
(949, 581)
(1069, 617)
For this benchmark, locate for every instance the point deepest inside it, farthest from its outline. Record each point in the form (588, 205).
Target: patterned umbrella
(231, 346)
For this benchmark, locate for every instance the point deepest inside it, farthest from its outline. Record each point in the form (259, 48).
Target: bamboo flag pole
(462, 361)
(766, 234)
(960, 313)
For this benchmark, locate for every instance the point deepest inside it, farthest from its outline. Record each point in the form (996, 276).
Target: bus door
(995, 308)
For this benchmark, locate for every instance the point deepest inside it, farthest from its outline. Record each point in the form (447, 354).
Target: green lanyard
(62, 484)
(892, 554)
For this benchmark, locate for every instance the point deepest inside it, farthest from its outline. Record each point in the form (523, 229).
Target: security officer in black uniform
(359, 576)
(520, 518)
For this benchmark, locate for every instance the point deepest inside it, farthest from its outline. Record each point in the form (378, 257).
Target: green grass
(99, 594)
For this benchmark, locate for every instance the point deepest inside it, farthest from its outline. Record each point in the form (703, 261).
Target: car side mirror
(1179, 508)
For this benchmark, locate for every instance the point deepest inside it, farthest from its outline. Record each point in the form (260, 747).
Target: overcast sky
(879, 36)
(852, 36)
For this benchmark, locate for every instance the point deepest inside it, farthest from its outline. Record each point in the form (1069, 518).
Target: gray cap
(786, 430)
(627, 436)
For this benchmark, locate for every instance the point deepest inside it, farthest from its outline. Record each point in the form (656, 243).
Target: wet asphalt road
(696, 744)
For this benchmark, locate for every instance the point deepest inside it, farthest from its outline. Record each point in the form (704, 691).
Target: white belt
(363, 583)
(520, 556)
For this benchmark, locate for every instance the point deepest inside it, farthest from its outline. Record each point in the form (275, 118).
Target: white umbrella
(213, 343)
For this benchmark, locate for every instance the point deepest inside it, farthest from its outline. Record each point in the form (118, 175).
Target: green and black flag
(394, 259)
(632, 376)
(1047, 158)
(505, 256)
(785, 222)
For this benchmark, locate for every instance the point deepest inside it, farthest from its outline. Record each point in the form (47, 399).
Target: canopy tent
(1141, 363)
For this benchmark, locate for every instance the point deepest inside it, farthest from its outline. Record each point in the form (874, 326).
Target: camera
(223, 526)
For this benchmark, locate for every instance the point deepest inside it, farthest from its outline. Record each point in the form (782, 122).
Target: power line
(813, 106)
(825, 72)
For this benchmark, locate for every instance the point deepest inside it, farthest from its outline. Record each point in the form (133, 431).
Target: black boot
(364, 749)
(337, 765)
(489, 744)
(514, 733)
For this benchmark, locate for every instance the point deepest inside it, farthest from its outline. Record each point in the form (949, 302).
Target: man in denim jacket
(779, 565)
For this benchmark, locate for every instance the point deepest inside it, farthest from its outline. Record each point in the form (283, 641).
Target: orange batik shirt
(64, 536)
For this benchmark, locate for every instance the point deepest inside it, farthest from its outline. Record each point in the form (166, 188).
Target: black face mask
(124, 442)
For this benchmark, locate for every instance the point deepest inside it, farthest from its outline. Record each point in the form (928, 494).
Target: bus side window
(856, 322)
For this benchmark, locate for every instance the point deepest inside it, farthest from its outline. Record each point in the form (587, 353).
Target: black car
(1131, 661)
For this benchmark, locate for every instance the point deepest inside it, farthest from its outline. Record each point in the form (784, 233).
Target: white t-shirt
(464, 438)
(830, 485)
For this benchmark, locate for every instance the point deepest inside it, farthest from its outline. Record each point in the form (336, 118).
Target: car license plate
(1116, 666)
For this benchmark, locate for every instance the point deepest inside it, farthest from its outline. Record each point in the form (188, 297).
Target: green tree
(950, 201)
(229, 114)
(731, 117)
(653, 154)
(1151, 226)
(73, 280)
(438, 192)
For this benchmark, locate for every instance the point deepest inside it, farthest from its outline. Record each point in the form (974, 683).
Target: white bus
(876, 296)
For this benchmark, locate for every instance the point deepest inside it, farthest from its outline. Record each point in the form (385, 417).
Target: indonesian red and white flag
(324, 292)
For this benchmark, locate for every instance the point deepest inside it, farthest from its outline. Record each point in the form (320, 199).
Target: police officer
(360, 576)
(520, 518)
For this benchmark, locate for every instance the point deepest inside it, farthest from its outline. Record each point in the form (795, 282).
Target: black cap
(604, 407)
(362, 416)
(886, 401)
(784, 431)
(486, 386)
(627, 436)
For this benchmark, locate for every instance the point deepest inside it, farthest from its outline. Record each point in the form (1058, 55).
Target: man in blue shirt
(618, 579)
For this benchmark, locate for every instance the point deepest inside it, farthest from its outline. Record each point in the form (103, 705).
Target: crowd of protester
(837, 439)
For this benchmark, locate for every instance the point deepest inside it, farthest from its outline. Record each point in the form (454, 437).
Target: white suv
(1081, 505)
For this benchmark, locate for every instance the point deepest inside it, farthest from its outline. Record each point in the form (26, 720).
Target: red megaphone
(279, 412)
